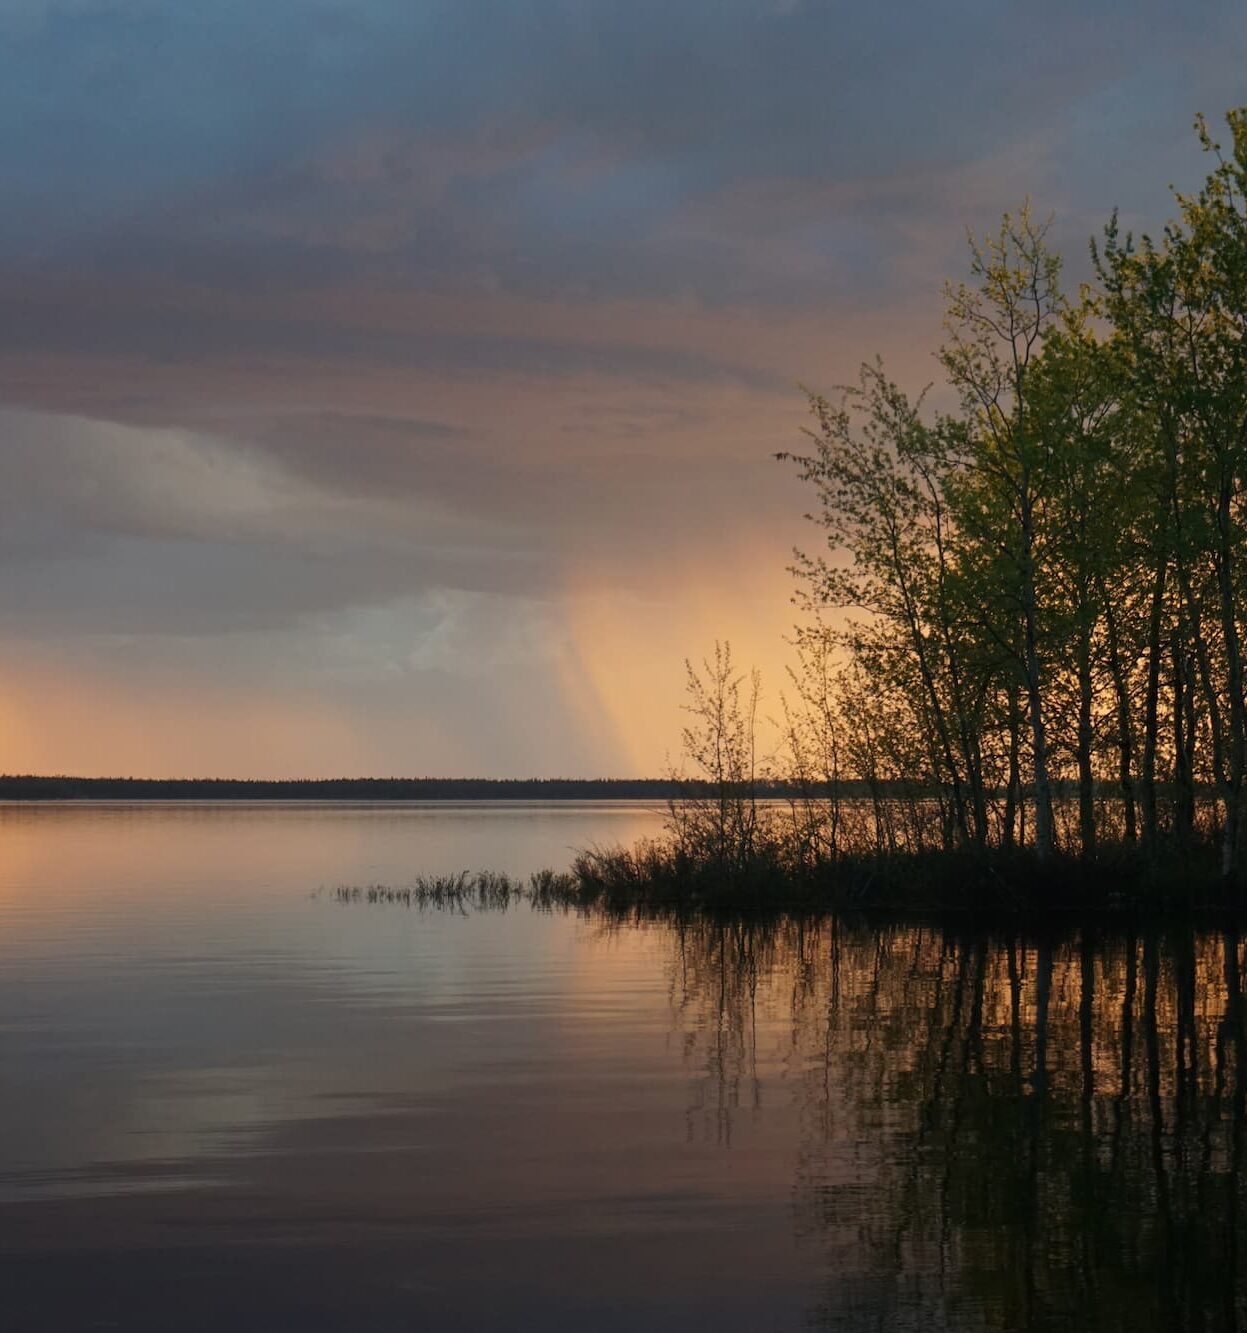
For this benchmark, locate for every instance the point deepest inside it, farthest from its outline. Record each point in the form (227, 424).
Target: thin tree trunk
(1151, 707)
(927, 675)
(1183, 789)
(1232, 648)
(1014, 784)
(1044, 840)
(1125, 727)
(1086, 780)
(967, 731)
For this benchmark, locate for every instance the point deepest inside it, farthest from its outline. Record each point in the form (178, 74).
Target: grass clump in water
(481, 891)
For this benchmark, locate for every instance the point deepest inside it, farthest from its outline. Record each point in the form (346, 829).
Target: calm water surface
(230, 1101)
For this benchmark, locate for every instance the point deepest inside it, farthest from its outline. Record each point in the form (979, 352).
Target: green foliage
(1041, 596)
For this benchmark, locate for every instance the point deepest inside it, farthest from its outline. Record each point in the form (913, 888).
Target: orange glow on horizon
(619, 678)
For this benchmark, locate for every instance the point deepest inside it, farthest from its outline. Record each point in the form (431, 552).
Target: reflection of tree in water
(997, 1132)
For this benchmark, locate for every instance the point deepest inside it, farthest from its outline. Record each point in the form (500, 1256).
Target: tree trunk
(1151, 707)
(1230, 848)
(1125, 727)
(1013, 789)
(1086, 779)
(918, 640)
(1044, 840)
(1183, 789)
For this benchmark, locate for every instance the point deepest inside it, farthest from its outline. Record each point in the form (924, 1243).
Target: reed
(662, 878)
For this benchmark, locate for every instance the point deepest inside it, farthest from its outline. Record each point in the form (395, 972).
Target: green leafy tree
(1179, 305)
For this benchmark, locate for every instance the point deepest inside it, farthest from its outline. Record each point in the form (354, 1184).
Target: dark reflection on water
(1000, 1132)
(227, 1102)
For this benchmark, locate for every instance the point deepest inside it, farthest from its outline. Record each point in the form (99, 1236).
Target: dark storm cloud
(30, 324)
(546, 144)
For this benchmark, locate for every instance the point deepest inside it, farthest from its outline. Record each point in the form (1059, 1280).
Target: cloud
(541, 146)
(429, 358)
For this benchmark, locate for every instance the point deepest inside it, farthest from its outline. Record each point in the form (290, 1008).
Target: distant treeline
(32, 788)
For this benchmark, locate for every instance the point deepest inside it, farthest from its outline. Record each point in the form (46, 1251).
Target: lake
(230, 1100)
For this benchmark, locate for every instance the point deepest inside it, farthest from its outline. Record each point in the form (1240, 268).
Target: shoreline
(955, 890)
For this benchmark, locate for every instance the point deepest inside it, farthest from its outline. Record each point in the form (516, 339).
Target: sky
(391, 387)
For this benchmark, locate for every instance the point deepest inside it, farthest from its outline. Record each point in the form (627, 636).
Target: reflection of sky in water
(229, 1101)
(197, 967)
(200, 1049)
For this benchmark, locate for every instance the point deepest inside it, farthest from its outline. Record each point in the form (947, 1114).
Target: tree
(1180, 307)
(720, 741)
(996, 330)
(879, 473)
